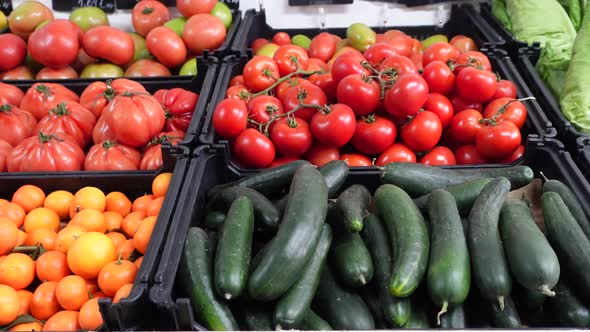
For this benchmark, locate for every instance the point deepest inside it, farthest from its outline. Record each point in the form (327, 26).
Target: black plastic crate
(511, 43)
(545, 156)
(464, 20)
(582, 155)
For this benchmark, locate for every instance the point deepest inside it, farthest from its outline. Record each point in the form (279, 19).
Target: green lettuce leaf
(575, 11)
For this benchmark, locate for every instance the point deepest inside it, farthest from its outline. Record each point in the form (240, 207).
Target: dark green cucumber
(291, 249)
(527, 301)
(449, 276)
(291, 309)
(505, 316)
(464, 194)
(568, 240)
(335, 173)
(530, 256)
(572, 202)
(352, 206)
(409, 236)
(417, 179)
(265, 213)
(341, 308)
(313, 322)
(256, 316)
(196, 278)
(370, 296)
(454, 318)
(350, 259)
(267, 181)
(465, 224)
(567, 309)
(418, 317)
(490, 268)
(395, 310)
(214, 220)
(234, 249)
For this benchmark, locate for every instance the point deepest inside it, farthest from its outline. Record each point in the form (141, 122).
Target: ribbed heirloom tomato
(10, 94)
(152, 157)
(111, 156)
(97, 95)
(179, 105)
(55, 152)
(5, 149)
(16, 124)
(69, 118)
(41, 97)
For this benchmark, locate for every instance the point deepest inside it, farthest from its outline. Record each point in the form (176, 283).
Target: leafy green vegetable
(574, 9)
(499, 11)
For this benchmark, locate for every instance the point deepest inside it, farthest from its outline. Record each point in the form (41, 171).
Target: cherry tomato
(238, 92)
(12, 51)
(506, 109)
(291, 137)
(335, 126)
(463, 43)
(309, 94)
(473, 59)
(258, 43)
(356, 160)
(423, 132)
(281, 38)
(505, 89)
(439, 156)
(360, 94)
(188, 8)
(465, 126)
(110, 44)
(441, 106)
(379, 52)
(347, 64)
(439, 51)
(320, 155)
(237, 80)
(322, 47)
(397, 153)
(476, 85)
(290, 58)
(166, 46)
(262, 108)
(373, 134)
(407, 96)
(326, 83)
(400, 64)
(147, 68)
(230, 118)
(203, 32)
(468, 155)
(149, 14)
(253, 149)
(57, 35)
(498, 141)
(514, 156)
(439, 77)
(260, 73)
(461, 105)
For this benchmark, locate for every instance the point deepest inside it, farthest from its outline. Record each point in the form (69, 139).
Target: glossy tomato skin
(290, 58)
(310, 94)
(439, 51)
(53, 74)
(258, 43)
(179, 105)
(110, 156)
(230, 118)
(98, 94)
(102, 132)
(57, 35)
(5, 149)
(514, 156)
(423, 132)
(262, 108)
(362, 95)
(334, 127)
(147, 68)
(27, 16)
(291, 137)
(281, 38)
(439, 77)
(441, 106)
(506, 109)
(346, 64)
(283, 87)
(463, 43)
(189, 8)
(465, 126)
(476, 85)
(69, 118)
(322, 46)
(46, 153)
(16, 124)
(41, 97)
(505, 89)
(152, 158)
(12, 51)
(238, 92)
(319, 155)
(356, 160)
(471, 58)
(498, 141)
(21, 72)
(254, 150)
(439, 156)
(317, 65)
(326, 83)
(203, 32)
(373, 134)
(376, 53)
(402, 43)
(10, 94)
(468, 155)
(166, 46)
(407, 96)
(461, 105)
(396, 153)
(400, 64)
(260, 73)
(111, 44)
(237, 80)
(147, 15)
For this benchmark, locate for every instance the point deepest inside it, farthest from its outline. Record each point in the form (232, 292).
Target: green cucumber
(395, 310)
(350, 259)
(352, 206)
(256, 316)
(265, 213)
(527, 300)
(465, 195)
(335, 173)
(409, 237)
(196, 279)
(449, 276)
(313, 322)
(568, 240)
(417, 179)
(370, 296)
(214, 220)
(291, 309)
(454, 318)
(234, 249)
(530, 256)
(465, 224)
(571, 201)
(268, 181)
(341, 308)
(291, 249)
(567, 309)
(418, 318)
(490, 268)
(505, 315)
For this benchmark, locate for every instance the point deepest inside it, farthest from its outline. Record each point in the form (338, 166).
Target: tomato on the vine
(441, 106)
(110, 156)
(262, 108)
(230, 118)
(471, 59)
(376, 53)
(460, 105)
(359, 93)
(465, 125)
(317, 65)
(506, 109)
(237, 80)
(463, 43)
(238, 92)
(290, 58)
(326, 83)
(476, 85)
(356, 160)
(334, 125)
(258, 43)
(320, 155)
(260, 73)
(407, 96)
(348, 63)
(283, 87)
(396, 153)
(423, 132)
(505, 89)
(309, 94)
(401, 65)
(322, 46)
(439, 156)
(291, 137)
(373, 134)
(497, 141)
(253, 149)
(439, 77)
(439, 51)
(282, 160)
(402, 43)
(468, 155)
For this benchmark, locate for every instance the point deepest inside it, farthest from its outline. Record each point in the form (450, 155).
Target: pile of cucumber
(293, 248)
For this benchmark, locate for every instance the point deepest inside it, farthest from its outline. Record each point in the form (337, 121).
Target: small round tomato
(498, 141)
(291, 137)
(373, 134)
(57, 35)
(356, 160)
(319, 155)
(465, 126)
(441, 106)
(423, 132)
(505, 89)
(254, 150)
(322, 47)
(317, 65)
(290, 58)
(281, 38)
(514, 156)
(309, 94)
(439, 77)
(258, 43)
(439, 51)
(506, 109)
(468, 155)
(147, 15)
(260, 73)
(60, 74)
(359, 93)
(166, 46)
(147, 68)
(401, 65)
(407, 96)
(347, 64)
(334, 126)
(460, 105)
(12, 51)
(188, 8)
(111, 44)
(262, 108)
(397, 153)
(476, 85)
(230, 118)
(439, 156)
(379, 52)
(471, 59)
(463, 43)
(203, 32)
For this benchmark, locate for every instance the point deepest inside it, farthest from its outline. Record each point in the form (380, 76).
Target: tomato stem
(5, 108)
(44, 89)
(147, 10)
(108, 144)
(60, 110)
(283, 79)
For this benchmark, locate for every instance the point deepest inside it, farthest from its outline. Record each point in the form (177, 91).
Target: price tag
(6, 6)
(129, 4)
(65, 6)
(318, 2)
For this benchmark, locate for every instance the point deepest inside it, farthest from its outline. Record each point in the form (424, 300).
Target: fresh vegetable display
(112, 125)
(370, 99)
(62, 251)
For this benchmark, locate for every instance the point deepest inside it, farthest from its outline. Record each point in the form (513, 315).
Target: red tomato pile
(395, 101)
(118, 124)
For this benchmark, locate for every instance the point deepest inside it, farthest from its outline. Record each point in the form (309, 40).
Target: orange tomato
(9, 305)
(142, 237)
(90, 317)
(42, 218)
(118, 202)
(13, 212)
(17, 271)
(138, 262)
(90, 253)
(71, 292)
(115, 275)
(67, 236)
(92, 286)
(34, 326)
(122, 293)
(8, 235)
(60, 202)
(142, 203)
(52, 266)
(91, 220)
(24, 298)
(131, 222)
(22, 237)
(155, 207)
(29, 197)
(44, 303)
(125, 249)
(160, 184)
(42, 236)
(66, 320)
(3, 201)
(88, 198)
(117, 238)
(112, 220)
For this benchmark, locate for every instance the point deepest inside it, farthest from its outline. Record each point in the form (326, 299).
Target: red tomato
(59, 74)
(505, 89)
(258, 43)
(322, 47)
(326, 83)
(514, 156)
(463, 43)
(282, 160)
(134, 118)
(281, 38)
(179, 105)
(461, 105)
(468, 155)
(317, 65)
(262, 108)
(291, 137)
(27, 16)
(373, 134)
(41, 97)
(284, 87)
(439, 51)
(402, 43)
(10, 94)
(237, 80)
(310, 95)
(506, 109)
(59, 35)
(253, 149)
(111, 44)
(238, 92)
(5, 149)
(290, 58)
(465, 126)
(166, 46)
(230, 118)
(347, 64)
(439, 156)
(417, 47)
(441, 106)
(147, 15)
(334, 126)
(360, 94)
(46, 153)
(98, 94)
(439, 77)
(423, 132)
(498, 141)
(356, 160)
(397, 153)
(476, 85)
(16, 124)
(152, 158)
(203, 32)
(260, 73)
(400, 64)
(188, 8)
(147, 68)
(416, 59)
(376, 53)
(19, 73)
(110, 156)
(407, 96)
(12, 51)
(102, 132)
(319, 155)
(70, 118)
(473, 59)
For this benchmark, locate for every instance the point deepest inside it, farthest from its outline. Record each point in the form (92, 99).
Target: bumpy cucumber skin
(352, 206)
(567, 309)
(454, 318)
(265, 212)
(572, 202)
(532, 261)
(465, 195)
(506, 317)
(335, 173)
(409, 235)
(350, 259)
(313, 322)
